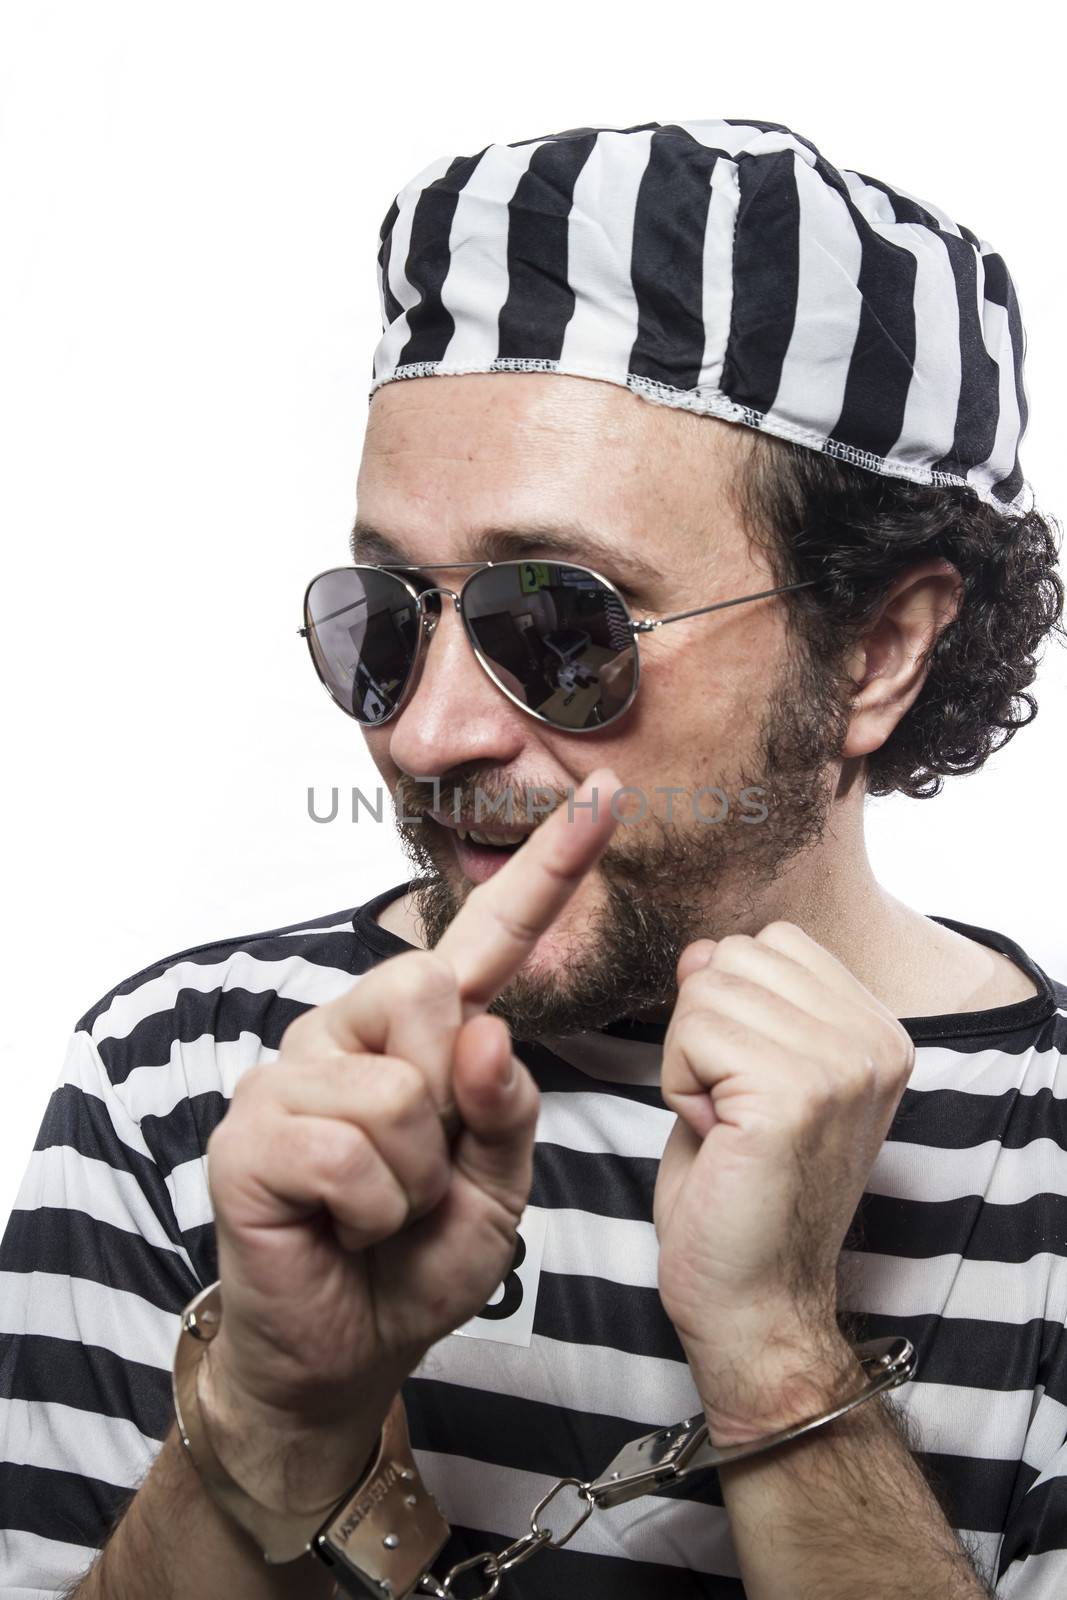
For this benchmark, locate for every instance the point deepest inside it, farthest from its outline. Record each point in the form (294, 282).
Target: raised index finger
(503, 918)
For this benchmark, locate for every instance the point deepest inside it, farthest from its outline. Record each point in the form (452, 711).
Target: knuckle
(706, 986)
(341, 1151)
(863, 1071)
(834, 1086)
(732, 979)
(403, 1086)
(890, 1054)
(333, 1085)
(691, 1031)
(372, 1090)
(733, 948)
(780, 932)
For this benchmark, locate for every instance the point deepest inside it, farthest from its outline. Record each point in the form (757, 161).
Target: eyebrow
(573, 541)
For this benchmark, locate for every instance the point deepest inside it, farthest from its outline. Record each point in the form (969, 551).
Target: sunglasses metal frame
(429, 622)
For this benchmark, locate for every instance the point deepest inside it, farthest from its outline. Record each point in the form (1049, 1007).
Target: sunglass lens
(556, 638)
(363, 629)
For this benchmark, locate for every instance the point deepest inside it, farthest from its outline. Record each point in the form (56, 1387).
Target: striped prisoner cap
(722, 267)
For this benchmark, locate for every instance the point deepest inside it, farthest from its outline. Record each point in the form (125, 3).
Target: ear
(890, 662)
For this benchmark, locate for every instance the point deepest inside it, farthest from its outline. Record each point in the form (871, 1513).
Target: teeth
(477, 837)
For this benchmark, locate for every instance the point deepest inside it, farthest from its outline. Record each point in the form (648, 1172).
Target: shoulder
(213, 1008)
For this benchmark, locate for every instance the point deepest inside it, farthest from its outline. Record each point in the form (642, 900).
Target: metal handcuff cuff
(382, 1536)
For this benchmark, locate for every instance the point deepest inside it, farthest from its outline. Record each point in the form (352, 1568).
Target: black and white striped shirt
(960, 1243)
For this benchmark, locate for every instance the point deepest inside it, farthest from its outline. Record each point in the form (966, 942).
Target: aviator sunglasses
(557, 639)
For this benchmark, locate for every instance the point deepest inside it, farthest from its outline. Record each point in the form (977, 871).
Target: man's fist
(785, 1073)
(367, 1184)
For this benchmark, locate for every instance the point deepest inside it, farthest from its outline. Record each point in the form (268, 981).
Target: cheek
(698, 709)
(702, 693)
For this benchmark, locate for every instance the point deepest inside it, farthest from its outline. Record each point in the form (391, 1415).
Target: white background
(190, 199)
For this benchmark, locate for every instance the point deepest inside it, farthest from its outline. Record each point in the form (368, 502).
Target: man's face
(463, 468)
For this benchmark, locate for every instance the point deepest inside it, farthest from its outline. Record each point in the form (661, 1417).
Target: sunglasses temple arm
(720, 605)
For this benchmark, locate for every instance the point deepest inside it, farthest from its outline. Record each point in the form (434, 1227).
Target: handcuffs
(381, 1538)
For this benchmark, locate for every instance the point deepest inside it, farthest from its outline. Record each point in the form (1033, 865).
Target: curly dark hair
(857, 530)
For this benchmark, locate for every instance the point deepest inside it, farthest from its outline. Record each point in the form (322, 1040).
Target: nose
(455, 714)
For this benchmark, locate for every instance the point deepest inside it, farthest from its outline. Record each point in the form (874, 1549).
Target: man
(767, 1111)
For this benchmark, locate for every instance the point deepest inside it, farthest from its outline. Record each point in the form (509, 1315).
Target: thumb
(498, 1102)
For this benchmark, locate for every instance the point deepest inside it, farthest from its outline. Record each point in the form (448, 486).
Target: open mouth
(490, 841)
(480, 851)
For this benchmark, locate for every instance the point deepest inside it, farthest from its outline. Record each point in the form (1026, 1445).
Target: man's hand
(367, 1184)
(785, 1073)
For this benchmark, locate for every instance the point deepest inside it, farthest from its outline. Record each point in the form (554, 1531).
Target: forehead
(454, 457)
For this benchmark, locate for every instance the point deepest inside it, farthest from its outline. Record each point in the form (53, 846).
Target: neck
(836, 899)
(911, 964)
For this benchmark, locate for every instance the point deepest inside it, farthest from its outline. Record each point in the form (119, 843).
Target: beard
(676, 883)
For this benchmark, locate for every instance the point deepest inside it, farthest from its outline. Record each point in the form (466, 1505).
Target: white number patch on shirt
(508, 1316)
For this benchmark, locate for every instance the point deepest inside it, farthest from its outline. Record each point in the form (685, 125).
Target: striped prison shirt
(960, 1243)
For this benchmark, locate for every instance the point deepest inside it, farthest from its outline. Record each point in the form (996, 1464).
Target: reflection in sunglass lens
(556, 638)
(363, 628)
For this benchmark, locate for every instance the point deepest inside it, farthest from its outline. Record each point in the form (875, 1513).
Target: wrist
(764, 1386)
(284, 1462)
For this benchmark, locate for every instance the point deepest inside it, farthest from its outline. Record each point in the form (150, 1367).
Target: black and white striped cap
(723, 267)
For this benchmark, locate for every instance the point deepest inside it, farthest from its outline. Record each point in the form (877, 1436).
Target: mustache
(468, 795)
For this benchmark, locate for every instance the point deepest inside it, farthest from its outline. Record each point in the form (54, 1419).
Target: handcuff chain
(497, 1562)
(888, 1362)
